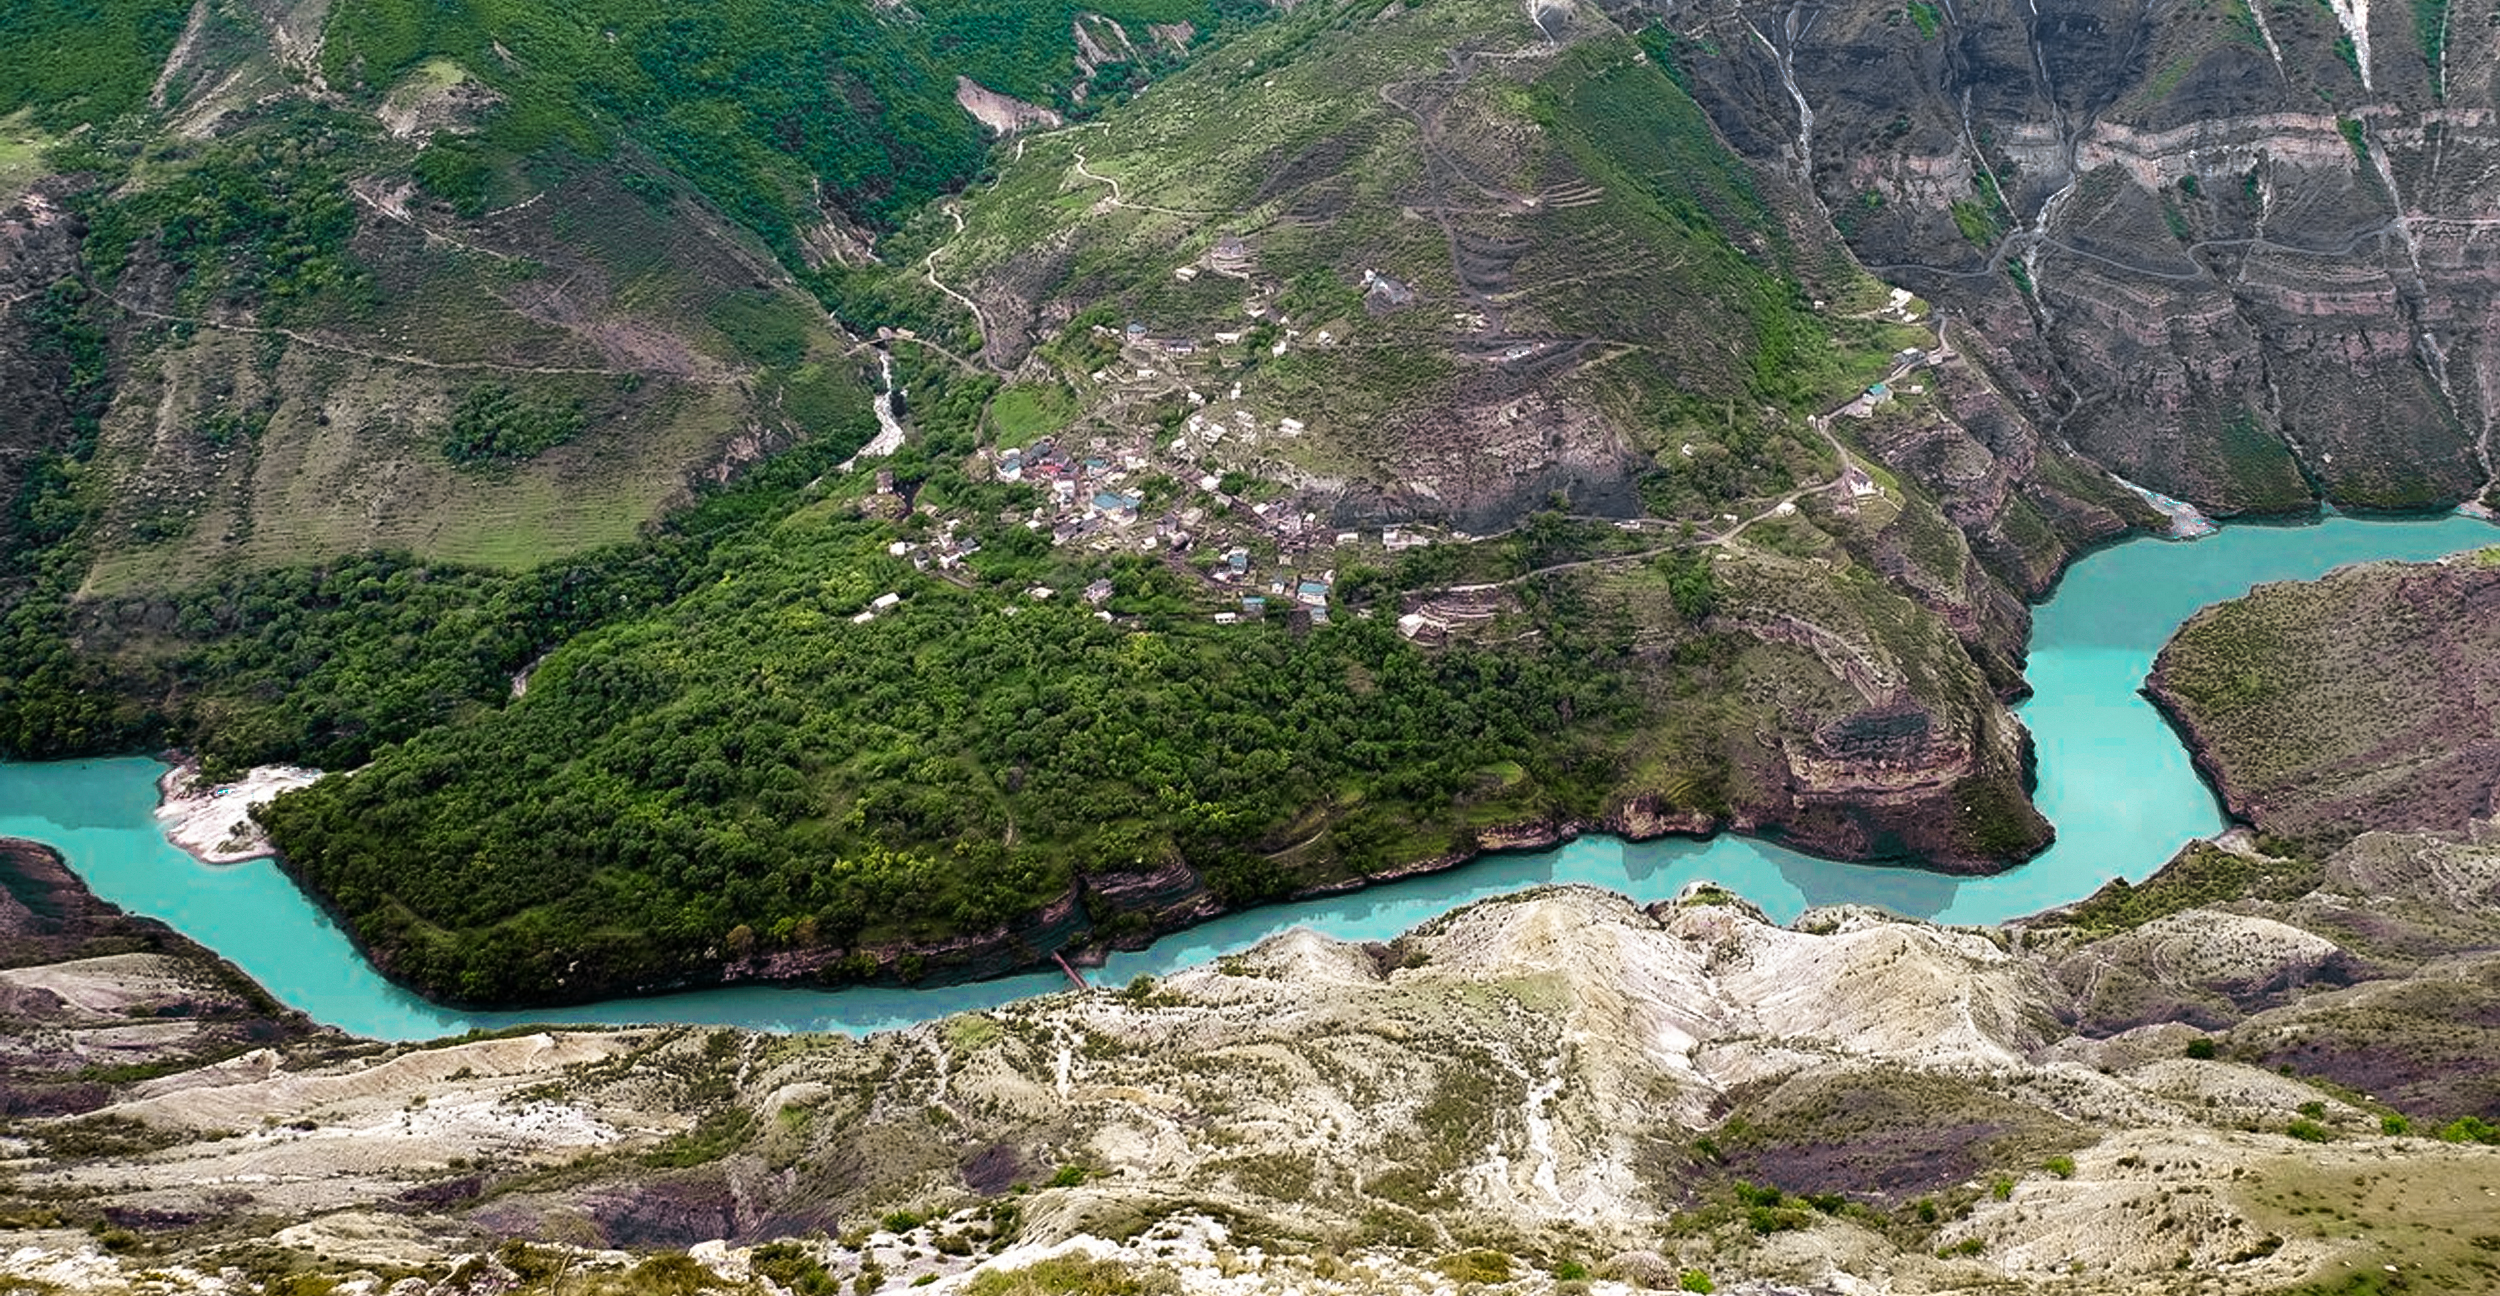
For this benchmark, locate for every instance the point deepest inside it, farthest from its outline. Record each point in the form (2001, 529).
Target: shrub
(2309, 1131)
(766, 328)
(1772, 1219)
(790, 1265)
(671, 1273)
(713, 1137)
(1478, 1266)
(2202, 1050)
(1696, 1280)
(528, 1263)
(1769, 1210)
(1758, 1195)
(2469, 1129)
(2061, 1165)
(493, 423)
(1069, 1276)
(455, 171)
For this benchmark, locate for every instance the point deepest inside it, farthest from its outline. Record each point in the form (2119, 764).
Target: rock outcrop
(2366, 700)
(1003, 114)
(1561, 1077)
(2241, 256)
(92, 998)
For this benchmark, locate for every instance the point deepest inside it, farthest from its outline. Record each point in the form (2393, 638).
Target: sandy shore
(214, 821)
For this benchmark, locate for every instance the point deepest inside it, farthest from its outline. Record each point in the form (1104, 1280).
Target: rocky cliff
(92, 999)
(2240, 254)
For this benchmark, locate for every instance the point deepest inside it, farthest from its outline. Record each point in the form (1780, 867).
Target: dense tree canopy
(751, 755)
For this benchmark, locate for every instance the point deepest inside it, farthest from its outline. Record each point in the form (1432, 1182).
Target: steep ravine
(2220, 259)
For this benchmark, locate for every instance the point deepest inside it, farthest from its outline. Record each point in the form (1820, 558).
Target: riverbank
(2112, 777)
(1947, 1109)
(93, 997)
(2360, 702)
(212, 822)
(1101, 917)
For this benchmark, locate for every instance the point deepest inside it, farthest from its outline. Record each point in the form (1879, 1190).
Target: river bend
(2113, 779)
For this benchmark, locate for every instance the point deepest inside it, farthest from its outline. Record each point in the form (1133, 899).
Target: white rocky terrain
(1559, 1090)
(213, 821)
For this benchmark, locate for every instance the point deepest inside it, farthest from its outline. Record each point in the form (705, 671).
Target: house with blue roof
(1116, 506)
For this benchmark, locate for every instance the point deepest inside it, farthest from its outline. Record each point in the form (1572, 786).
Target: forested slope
(1427, 402)
(775, 775)
(301, 296)
(784, 115)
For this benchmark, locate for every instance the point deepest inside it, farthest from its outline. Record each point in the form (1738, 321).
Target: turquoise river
(2113, 779)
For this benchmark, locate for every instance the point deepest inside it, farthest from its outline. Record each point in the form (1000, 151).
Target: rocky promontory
(92, 997)
(2367, 700)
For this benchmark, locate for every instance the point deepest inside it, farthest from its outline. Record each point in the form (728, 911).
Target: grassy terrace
(1300, 138)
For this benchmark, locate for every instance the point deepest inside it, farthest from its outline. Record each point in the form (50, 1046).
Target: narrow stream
(889, 436)
(2113, 779)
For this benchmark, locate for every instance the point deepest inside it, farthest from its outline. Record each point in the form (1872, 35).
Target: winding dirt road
(1119, 199)
(928, 271)
(381, 357)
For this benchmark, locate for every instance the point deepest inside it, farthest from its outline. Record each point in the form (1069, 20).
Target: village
(1259, 547)
(1189, 491)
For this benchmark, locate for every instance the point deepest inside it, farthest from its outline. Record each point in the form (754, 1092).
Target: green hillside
(84, 61)
(774, 764)
(751, 759)
(310, 238)
(758, 104)
(1564, 219)
(508, 364)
